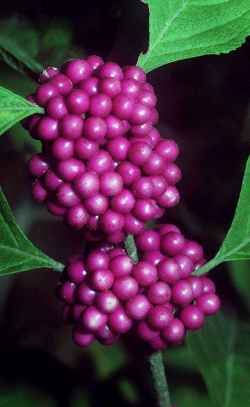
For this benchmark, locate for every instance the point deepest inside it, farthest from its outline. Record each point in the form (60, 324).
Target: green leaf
(221, 351)
(24, 397)
(131, 248)
(236, 245)
(239, 273)
(181, 29)
(17, 253)
(19, 45)
(14, 108)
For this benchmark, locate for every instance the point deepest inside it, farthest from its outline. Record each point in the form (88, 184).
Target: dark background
(204, 106)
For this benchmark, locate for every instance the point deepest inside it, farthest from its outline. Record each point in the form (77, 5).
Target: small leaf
(236, 245)
(131, 248)
(19, 45)
(14, 108)
(181, 29)
(17, 252)
(221, 352)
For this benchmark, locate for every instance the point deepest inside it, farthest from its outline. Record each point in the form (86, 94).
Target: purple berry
(148, 240)
(38, 165)
(123, 202)
(159, 317)
(119, 321)
(87, 184)
(78, 101)
(93, 319)
(112, 221)
(209, 304)
(192, 317)
(100, 105)
(77, 216)
(174, 332)
(168, 149)
(47, 128)
(77, 70)
(44, 93)
(182, 293)
(144, 273)
(76, 271)
(85, 294)
(56, 107)
(66, 196)
(71, 126)
(70, 169)
(97, 260)
(172, 243)
(85, 149)
(121, 265)
(38, 192)
(101, 280)
(95, 128)
(110, 183)
(107, 302)
(138, 307)
(169, 271)
(125, 288)
(82, 338)
(154, 257)
(159, 293)
(62, 149)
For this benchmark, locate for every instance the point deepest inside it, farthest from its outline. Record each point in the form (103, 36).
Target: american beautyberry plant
(107, 171)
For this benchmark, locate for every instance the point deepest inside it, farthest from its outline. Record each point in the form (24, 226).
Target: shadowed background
(204, 106)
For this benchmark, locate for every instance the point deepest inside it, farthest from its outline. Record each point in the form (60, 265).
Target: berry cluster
(108, 294)
(104, 166)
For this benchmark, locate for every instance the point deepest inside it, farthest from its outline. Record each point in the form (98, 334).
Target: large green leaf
(240, 275)
(181, 29)
(14, 108)
(17, 253)
(221, 352)
(236, 245)
(19, 44)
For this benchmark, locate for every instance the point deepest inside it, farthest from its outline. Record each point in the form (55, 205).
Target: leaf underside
(221, 352)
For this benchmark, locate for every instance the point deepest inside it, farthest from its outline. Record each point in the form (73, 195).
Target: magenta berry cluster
(104, 166)
(107, 294)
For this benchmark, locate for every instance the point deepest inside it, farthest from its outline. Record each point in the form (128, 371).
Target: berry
(119, 321)
(192, 317)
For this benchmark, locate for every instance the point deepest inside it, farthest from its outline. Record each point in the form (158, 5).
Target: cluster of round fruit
(107, 294)
(104, 166)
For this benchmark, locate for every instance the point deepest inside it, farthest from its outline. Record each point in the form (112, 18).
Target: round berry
(182, 293)
(95, 128)
(76, 272)
(77, 70)
(138, 307)
(87, 184)
(144, 273)
(101, 280)
(159, 317)
(71, 126)
(192, 317)
(92, 319)
(119, 321)
(121, 265)
(159, 293)
(209, 304)
(125, 288)
(107, 302)
(172, 243)
(148, 240)
(174, 332)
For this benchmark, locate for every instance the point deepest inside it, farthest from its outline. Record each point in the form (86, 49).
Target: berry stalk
(155, 360)
(159, 379)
